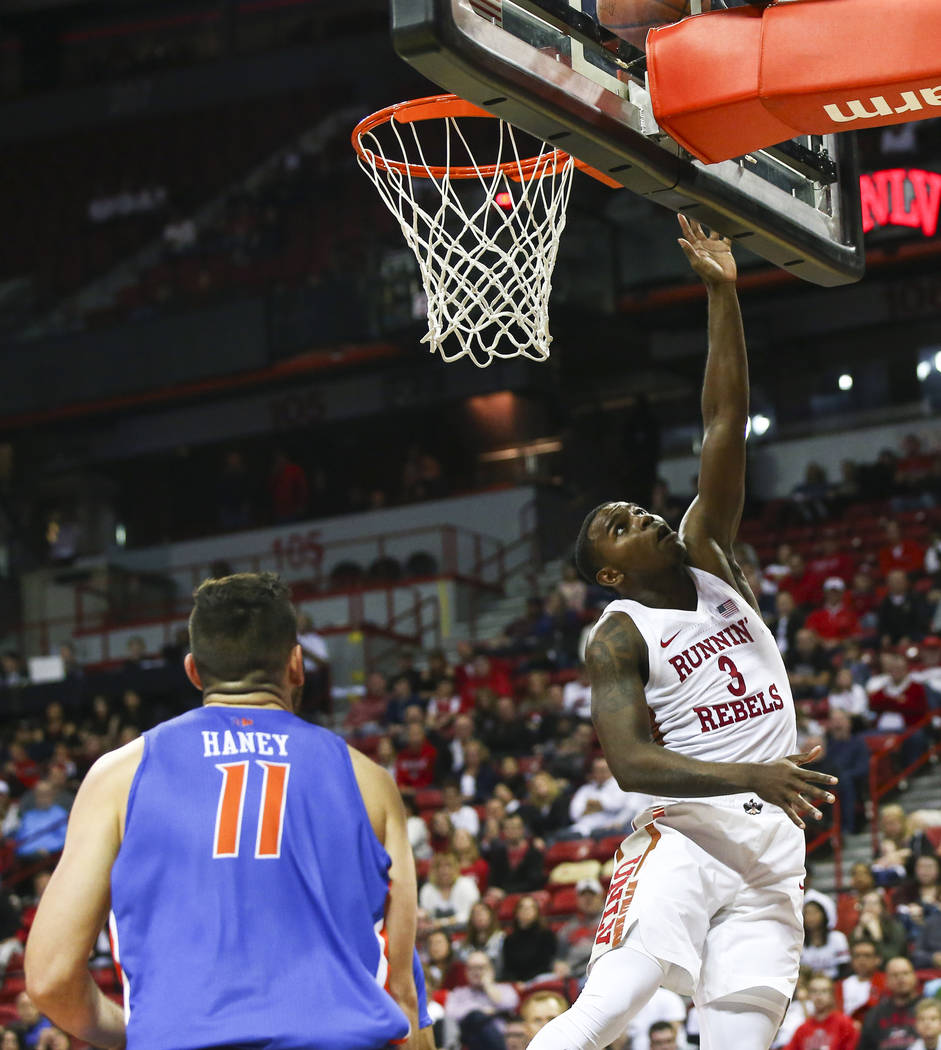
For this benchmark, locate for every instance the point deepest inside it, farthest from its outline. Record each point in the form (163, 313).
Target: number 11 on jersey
(230, 810)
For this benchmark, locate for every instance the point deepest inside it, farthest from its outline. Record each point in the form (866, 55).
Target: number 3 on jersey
(229, 813)
(737, 686)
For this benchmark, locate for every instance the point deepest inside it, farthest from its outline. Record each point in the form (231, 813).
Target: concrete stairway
(495, 613)
(924, 792)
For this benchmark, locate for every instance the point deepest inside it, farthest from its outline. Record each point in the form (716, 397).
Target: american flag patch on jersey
(728, 608)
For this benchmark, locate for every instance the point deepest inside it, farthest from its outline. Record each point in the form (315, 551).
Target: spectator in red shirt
(367, 713)
(485, 673)
(898, 701)
(899, 553)
(848, 903)
(831, 560)
(289, 489)
(891, 1024)
(835, 620)
(415, 764)
(470, 862)
(828, 1029)
(863, 597)
(801, 583)
(915, 466)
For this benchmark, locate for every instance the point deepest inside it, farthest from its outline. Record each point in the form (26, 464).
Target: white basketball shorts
(714, 891)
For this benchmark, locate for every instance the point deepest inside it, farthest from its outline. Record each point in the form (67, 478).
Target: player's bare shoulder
(380, 794)
(615, 654)
(110, 778)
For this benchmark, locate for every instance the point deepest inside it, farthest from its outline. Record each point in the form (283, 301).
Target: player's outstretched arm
(711, 524)
(387, 814)
(619, 711)
(74, 907)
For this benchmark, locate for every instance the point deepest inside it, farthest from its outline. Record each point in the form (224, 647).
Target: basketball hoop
(486, 243)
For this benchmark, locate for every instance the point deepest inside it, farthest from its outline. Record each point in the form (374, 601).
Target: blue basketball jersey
(249, 892)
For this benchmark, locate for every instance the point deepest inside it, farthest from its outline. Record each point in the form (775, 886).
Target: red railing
(880, 788)
(504, 558)
(834, 836)
(300, 558)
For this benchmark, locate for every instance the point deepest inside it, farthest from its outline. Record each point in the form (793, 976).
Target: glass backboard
(548, 67)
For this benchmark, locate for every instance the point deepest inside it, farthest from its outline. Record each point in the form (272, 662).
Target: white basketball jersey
(717, 689)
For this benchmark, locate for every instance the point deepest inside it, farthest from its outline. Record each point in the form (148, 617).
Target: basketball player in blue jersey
(691, 702)
(257, 871)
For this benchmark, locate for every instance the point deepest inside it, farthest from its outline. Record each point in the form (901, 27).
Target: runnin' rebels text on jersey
(717, 688)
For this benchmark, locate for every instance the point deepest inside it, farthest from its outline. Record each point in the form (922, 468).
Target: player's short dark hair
(242, 627)
(866, 942)
(661, 1026)
(586, 560)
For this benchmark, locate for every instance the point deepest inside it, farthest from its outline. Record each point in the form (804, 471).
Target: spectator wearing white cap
(576, 937)
(835, 621)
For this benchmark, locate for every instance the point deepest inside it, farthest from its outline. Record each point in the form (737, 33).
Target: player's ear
(609, 577)
(296, 666)
(189, 665)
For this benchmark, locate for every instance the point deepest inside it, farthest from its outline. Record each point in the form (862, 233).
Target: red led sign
(900, 197)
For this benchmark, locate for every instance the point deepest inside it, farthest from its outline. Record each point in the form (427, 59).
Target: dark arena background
(210, 331)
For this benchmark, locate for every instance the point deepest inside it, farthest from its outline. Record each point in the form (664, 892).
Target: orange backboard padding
(728, 82)
(846, 64)
(703, 77)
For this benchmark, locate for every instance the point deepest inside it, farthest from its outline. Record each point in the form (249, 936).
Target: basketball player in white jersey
(691, 702)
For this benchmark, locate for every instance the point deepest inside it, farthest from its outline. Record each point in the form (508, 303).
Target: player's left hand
(709, 254)
(784, 783)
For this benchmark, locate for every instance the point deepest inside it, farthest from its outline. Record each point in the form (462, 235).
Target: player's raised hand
(784, 783)
(709, 254)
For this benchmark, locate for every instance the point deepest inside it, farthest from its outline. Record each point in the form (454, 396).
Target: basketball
(631, 19)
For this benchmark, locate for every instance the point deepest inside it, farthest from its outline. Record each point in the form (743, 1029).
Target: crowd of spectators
(514, 815)
(858, 627)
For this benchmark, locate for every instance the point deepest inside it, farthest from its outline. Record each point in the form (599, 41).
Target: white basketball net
(486, 269)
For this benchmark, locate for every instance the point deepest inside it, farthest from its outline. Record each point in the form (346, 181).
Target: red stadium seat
(509, 902)
(429, 798)
(571, 849)
(13, 984)
(563, 901)
(606, 847)
(556, 984)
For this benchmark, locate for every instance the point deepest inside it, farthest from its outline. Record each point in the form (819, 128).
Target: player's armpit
(75, 905)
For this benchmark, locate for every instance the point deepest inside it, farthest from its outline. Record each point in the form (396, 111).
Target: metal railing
(301, 559)
(834, 836)
(878, 788)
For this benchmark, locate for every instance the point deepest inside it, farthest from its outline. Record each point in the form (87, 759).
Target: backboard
(548, 67)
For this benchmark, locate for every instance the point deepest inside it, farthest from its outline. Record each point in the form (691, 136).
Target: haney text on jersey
(239, 743)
